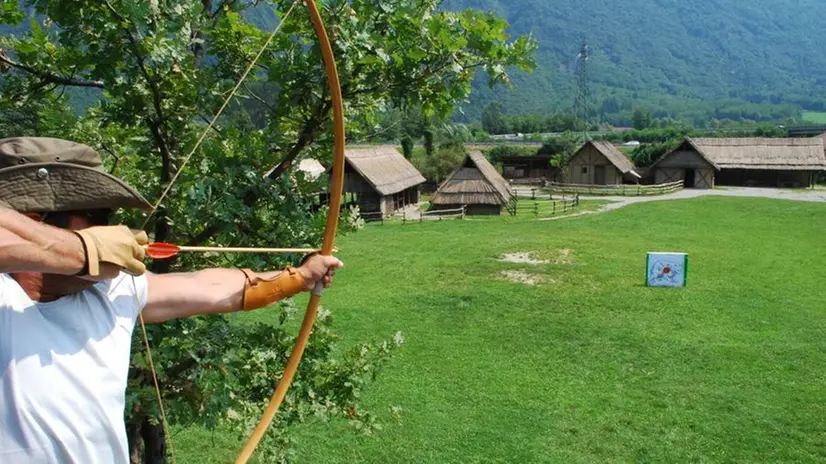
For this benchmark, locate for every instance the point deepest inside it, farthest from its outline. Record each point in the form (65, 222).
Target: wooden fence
(438, 214)
(544, 208)
(528, 181)
(372, 216)
(619, 190)
(541, 194)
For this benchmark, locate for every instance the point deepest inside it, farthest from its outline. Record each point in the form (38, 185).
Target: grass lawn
(814, 117)
(590, 365)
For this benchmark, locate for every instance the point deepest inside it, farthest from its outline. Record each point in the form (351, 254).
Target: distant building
(600, 163)
(527, 167)
(475, 184)
(758, 162)
(380, 178)
(311, 168)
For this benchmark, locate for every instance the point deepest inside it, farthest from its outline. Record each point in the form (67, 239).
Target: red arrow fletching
(162, 250)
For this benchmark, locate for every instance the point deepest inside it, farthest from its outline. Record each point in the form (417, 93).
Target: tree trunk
(154, 444)
(133, 436)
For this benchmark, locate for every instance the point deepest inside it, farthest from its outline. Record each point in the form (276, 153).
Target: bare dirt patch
(525, 278)
(522, 258)
(564, 256)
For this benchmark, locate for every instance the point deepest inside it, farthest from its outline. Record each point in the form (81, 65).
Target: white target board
(666, 269)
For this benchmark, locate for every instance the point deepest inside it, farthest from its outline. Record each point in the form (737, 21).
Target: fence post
(533, 193)
(553, 210)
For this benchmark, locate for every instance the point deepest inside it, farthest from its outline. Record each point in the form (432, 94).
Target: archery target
(666, 269)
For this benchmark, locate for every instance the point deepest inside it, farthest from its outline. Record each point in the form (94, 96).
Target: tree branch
(113, 155)
(304, 138)
(382, 131)
(260, 100)
(49, 78)
(206, 120)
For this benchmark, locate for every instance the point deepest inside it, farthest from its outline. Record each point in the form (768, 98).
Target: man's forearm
(30, 246)
(210, 291)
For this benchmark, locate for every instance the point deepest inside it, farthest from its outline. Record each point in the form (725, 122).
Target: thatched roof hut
(475, 184)
(598, 162)
(381, 178)
(750, 161)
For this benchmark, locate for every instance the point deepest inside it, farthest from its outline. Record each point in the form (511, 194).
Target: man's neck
(32, 284)
(37, 288)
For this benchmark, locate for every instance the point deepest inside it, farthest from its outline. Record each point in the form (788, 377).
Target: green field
(814, 117)
(589, 365)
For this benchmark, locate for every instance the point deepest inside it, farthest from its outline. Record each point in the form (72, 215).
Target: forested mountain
(674, 57)
(686, 59)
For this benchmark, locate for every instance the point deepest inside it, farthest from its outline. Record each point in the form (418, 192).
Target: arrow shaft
(247, 250)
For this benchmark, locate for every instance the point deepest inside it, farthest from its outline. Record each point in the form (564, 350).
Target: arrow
(160, 250)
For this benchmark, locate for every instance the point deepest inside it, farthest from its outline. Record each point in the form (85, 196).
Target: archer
(71, 290)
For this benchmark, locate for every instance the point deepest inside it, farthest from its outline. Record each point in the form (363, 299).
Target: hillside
(691, 60)
(667, 54)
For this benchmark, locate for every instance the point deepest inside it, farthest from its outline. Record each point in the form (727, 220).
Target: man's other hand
(319, 268)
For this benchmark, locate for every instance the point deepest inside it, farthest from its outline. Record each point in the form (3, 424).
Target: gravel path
(617, 202)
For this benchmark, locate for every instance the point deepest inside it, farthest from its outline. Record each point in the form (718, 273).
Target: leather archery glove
(259, 292)
(113, 246)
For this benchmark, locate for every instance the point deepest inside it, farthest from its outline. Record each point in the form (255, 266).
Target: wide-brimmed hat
(44, 174)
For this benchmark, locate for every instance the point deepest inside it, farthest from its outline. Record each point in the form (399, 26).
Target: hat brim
(67, 187)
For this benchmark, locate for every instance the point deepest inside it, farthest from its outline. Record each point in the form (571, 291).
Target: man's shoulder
(127, 289)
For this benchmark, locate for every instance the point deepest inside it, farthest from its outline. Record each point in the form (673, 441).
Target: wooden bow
(336, 192)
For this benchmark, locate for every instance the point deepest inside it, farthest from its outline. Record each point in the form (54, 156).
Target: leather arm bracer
(259, 292)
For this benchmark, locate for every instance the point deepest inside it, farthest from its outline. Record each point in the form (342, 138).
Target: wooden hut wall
(472, 210)
(354, 182)
(397, 201)
(585, 166)
(684, 159)
(369, 202)
(688, 166)
(527, 167)
(765, 178)
(483, 210)
(703, 178)
(666, 175)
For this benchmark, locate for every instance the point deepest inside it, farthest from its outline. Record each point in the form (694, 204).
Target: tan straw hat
(42, 174)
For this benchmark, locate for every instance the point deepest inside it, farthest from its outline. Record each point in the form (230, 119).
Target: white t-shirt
(63, 373)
